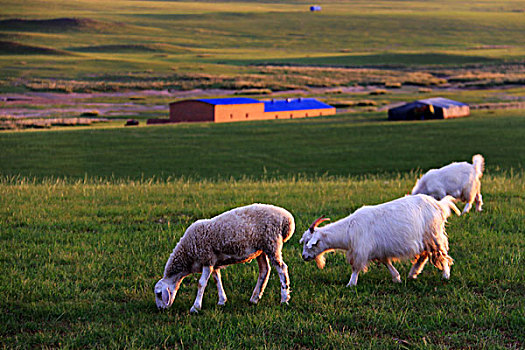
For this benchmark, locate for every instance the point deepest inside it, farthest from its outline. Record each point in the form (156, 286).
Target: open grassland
(85, 45)
(338, 146)
(79, 261)
(88, 218)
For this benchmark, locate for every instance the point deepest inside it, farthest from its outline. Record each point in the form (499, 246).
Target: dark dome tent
(430, 108)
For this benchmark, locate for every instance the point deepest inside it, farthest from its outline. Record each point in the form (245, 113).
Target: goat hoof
(396, 279)
(194, 310)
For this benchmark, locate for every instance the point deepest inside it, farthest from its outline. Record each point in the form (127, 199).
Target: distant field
(339, 146)
(177, 40)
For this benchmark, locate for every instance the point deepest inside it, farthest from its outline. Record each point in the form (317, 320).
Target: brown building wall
(236, 113)
(191, 111)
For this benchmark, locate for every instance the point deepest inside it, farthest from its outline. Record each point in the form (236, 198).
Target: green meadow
(89, 217)
(341, 145)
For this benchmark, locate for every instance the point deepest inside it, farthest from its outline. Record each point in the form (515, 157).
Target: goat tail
(417, 188)
(448, 202)
(479, 164)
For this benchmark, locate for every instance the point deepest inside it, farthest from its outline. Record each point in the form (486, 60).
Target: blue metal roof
(442, 102)
(294, 104)
(228, 100)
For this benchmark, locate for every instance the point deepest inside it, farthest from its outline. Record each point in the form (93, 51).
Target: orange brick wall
(237, 113)
(299, 114)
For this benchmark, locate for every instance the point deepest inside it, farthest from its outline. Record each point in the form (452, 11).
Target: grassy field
(79, 261)
(88, 219)
(340, 146)
(89, 215)
(92, 45)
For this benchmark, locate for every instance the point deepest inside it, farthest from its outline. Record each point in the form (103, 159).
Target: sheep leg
(418, 265)
(276, 258)
(222, 295)
(395, 275)
(264, 275)
(203, 281)
(282, 270)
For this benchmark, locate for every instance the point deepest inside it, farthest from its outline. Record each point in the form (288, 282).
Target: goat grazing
(411, 226)
(459, 180)
(236, 236)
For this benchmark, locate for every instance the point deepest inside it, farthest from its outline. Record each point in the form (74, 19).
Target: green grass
(79, 261)
(340, 146)
(88, 218)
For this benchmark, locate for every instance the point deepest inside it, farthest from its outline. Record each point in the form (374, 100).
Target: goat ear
(305, 237)
(166, 295)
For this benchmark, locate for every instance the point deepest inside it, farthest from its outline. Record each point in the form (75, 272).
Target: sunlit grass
(80, 258)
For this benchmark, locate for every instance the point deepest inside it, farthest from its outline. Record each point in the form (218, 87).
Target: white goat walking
(412, 226)
(459, 180)
(236, 236)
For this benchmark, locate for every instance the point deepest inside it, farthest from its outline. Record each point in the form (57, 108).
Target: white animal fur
(459, 180)
(412, 226)
(239, 235)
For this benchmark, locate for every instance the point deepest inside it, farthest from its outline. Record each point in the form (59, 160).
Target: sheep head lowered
(313, 246)
(166, 290)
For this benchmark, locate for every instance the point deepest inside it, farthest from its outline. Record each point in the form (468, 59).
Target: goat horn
(317, 222)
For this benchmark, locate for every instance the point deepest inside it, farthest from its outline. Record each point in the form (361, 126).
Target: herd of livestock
(411, 227)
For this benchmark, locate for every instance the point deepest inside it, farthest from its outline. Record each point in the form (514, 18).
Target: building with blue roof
(430, 108)
(232, 109)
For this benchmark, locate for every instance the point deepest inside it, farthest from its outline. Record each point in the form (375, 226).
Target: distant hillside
(14, 48)
(131, 48)
(58, 25)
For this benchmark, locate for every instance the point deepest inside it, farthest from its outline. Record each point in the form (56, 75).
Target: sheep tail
(479, 164)
(288, 229)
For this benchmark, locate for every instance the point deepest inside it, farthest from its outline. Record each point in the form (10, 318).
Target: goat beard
(320, 260)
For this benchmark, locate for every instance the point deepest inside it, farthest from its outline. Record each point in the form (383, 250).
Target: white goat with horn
(236, 236)
(411, 226)
(459, 180)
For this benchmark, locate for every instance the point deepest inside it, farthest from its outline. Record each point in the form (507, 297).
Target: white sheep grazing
(236, 236)
(412, 226)
(459, 180)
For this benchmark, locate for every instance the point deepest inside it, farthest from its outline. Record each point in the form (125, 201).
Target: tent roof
(442, 102)
(292, 104)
